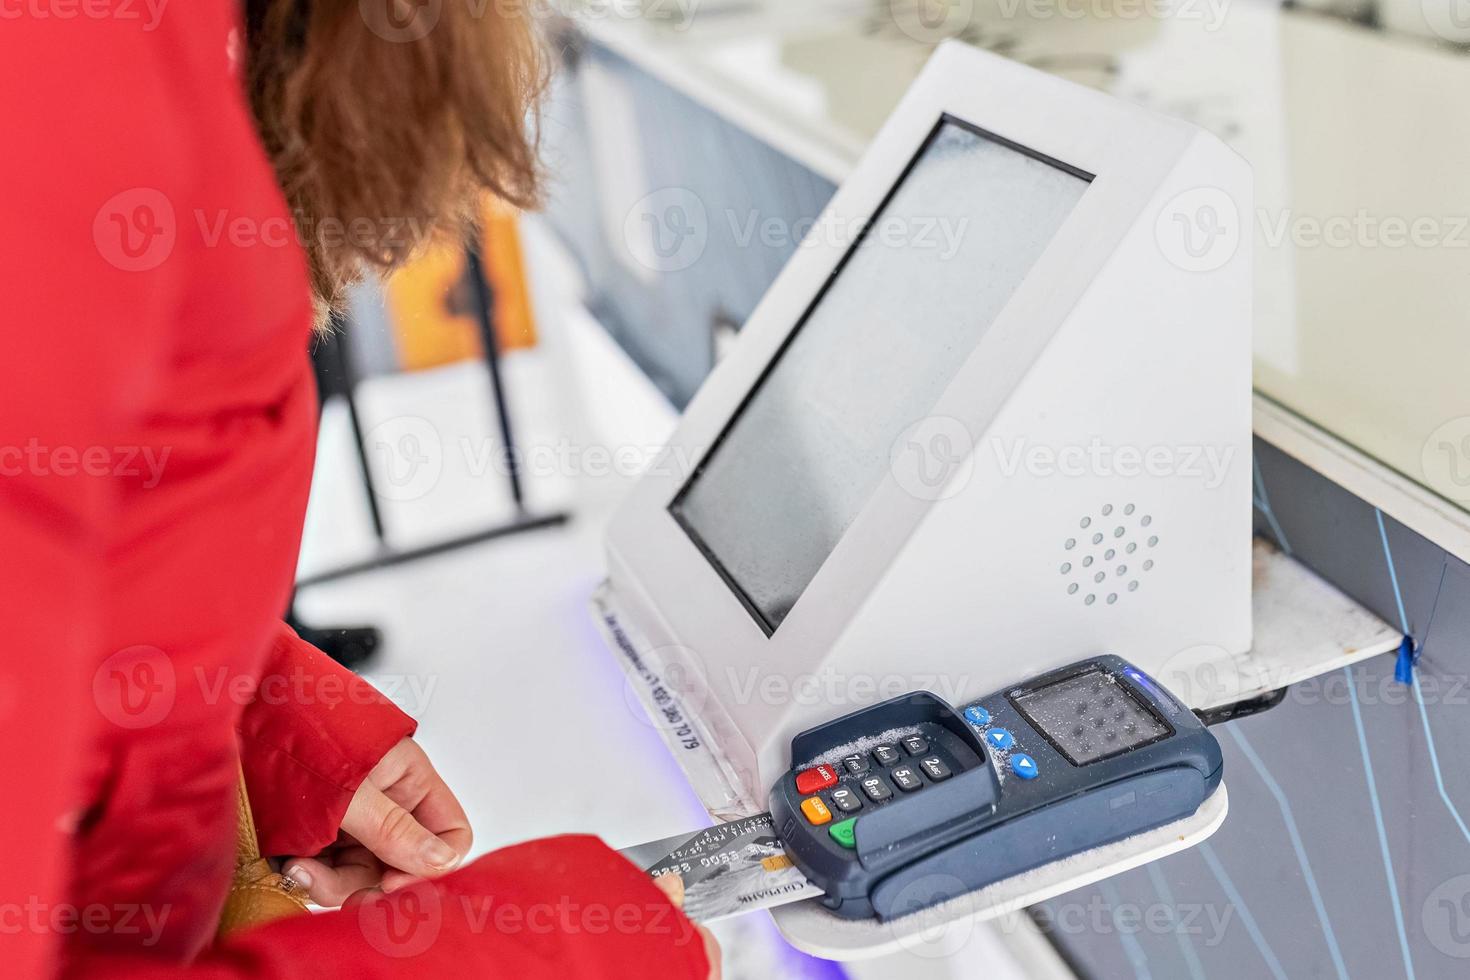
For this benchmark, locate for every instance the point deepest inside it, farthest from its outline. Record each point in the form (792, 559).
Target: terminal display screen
(914, 294)
(1091, 716)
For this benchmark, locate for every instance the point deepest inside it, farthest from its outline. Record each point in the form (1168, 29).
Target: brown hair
(387, 120)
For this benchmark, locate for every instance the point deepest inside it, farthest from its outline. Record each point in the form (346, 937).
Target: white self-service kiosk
(994, 416)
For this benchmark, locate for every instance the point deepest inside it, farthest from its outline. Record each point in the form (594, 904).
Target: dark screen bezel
(761, 619)
(1122, 683)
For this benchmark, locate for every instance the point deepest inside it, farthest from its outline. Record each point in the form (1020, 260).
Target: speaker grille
(1108, 554)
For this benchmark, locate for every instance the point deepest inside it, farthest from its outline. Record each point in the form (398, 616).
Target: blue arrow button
(1023, 765)
(999, 738)
(977, 715)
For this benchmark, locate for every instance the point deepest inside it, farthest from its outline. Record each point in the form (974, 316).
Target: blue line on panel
(1296, 843)
(1263, 502)
(1131, 947)
(1246, 919)
(1403, 670)
(1393, 575)
(1393, 888)
(1191, 958)
(1434, 762)
(1424, 713)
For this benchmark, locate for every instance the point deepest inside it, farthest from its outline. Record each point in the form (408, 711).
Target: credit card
(728, 869)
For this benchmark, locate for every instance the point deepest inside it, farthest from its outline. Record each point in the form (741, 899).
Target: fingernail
(299, 875)
(438, 855)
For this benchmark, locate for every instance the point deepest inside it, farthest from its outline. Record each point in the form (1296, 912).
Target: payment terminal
(913, 791)
(1005, 382)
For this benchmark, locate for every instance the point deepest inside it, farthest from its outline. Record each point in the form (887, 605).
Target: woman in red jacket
(157, 422)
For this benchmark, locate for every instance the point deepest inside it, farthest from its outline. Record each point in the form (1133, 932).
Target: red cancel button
(815, 778)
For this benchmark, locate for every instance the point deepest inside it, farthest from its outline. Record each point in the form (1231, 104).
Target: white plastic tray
(1302, 627)
(946, 928)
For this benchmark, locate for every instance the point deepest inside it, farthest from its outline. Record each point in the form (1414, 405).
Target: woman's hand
(403, 824)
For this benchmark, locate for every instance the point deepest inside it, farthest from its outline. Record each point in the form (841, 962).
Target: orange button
(816, 811)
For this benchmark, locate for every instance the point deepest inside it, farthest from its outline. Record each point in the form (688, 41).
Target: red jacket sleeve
(557, 908)
(61, 386)
(311, 734)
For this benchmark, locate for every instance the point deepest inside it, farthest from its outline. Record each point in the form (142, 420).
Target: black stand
(337, 375)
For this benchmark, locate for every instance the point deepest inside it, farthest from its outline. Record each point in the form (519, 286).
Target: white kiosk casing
(1103, 389)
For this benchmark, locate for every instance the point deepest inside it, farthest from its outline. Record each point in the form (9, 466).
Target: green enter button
(842, 832)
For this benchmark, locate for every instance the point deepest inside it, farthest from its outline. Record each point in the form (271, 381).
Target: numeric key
(914, 744)
(935, 768)
(906, 779)
(876, 789)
